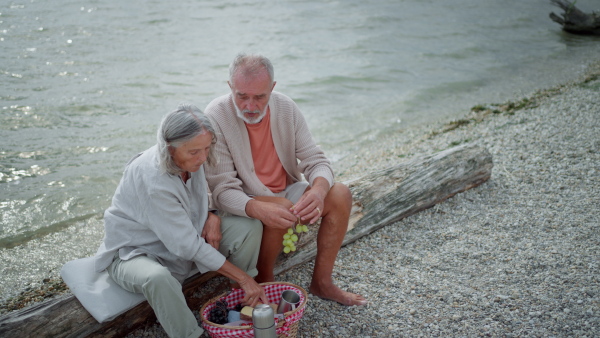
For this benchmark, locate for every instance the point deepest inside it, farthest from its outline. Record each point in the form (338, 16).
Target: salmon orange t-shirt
(267, 165)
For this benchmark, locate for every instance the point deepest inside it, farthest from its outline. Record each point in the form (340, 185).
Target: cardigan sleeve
(223, 178)
(294, 142)
(312, 160)
(232, 180)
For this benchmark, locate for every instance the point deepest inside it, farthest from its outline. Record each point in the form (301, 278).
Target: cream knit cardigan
(233, 180)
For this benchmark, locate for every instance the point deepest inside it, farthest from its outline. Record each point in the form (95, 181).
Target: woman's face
(190, 155)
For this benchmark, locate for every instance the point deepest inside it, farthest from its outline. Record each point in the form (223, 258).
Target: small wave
(22, 238)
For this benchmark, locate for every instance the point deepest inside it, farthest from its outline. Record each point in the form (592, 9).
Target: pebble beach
(516, 256)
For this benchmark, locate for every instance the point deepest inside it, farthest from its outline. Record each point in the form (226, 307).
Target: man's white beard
(240, 114)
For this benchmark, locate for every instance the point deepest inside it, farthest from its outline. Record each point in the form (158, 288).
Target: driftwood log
(384, 197)
(66, 317)
(575, 21)
(379, 199)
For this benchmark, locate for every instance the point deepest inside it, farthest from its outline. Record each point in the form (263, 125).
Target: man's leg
(241, 242)
(271, 244)
(334, 224)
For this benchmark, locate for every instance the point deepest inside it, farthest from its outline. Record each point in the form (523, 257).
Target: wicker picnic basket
(286, 327)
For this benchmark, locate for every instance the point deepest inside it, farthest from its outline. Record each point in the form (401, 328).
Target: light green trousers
(142, 274)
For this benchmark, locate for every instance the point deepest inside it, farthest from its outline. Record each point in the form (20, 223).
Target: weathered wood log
(576, 21)
(379, 199)
(387, 196)
(66, 317)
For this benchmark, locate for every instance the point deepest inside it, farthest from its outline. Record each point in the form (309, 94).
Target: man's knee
(339, 196)
(255, 228)
(242, 231)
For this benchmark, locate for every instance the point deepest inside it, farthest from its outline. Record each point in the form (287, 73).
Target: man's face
(251, 95)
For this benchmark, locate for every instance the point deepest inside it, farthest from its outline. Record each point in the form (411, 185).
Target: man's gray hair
(250, 65)
(179, 127)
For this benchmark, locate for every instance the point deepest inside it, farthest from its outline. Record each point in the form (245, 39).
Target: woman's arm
(254, 292)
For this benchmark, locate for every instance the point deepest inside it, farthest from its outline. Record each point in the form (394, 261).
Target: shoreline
(515, 256)
(409, 294)
(413, 142)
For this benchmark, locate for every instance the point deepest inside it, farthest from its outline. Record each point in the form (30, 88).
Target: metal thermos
(263, 321)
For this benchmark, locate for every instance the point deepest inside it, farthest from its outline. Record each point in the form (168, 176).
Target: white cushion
(98, 293)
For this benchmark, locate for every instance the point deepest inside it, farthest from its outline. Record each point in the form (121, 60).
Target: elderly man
(264, 147)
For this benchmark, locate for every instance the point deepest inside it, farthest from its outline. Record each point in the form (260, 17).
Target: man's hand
(273, 212)
(312, 203)
(212, 230)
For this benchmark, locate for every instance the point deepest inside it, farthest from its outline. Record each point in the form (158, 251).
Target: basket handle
(287, 321)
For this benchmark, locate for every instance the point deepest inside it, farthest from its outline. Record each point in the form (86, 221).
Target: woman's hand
(212, 230)
(254, 293)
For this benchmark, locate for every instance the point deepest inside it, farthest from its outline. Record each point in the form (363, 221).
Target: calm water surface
(85, 83)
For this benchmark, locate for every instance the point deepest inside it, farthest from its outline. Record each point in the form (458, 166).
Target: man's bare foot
(334, 293)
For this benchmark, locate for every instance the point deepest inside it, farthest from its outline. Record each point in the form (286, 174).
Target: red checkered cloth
(273, 292)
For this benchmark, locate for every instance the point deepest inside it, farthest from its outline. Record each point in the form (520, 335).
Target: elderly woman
(159, 225)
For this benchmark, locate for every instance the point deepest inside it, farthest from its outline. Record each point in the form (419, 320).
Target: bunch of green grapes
(290, 238)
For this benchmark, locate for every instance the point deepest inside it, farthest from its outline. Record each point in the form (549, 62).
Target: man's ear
(274, 83)
(229, 84)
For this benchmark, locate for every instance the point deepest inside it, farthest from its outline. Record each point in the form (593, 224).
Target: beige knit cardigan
(233, 180)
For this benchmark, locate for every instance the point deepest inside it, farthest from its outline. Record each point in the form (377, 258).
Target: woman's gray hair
(252, 64)
(179, 127)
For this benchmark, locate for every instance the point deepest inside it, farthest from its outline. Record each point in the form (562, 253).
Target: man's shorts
(294, 191)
